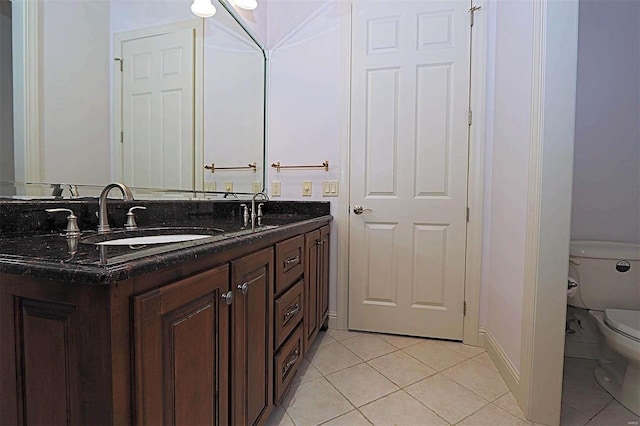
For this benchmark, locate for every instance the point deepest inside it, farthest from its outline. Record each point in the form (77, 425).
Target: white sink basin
(153, 239)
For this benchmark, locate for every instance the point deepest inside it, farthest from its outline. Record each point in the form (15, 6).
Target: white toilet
(608, 277)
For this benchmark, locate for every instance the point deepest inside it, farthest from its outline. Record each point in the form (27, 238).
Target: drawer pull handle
(291, 313)
(294, 259)
(292, 360)
(244, 287)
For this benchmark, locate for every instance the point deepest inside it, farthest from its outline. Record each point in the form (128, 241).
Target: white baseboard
(333, 320)
(505, 367)
(482, 337)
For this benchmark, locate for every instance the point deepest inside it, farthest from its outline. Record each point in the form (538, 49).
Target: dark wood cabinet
(316, 283)
(252, 334)
(323, 273)
(215, 340)
(54, 353)
(181, 340)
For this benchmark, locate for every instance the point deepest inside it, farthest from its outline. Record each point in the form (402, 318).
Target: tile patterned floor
(584, 402)
(353, 379)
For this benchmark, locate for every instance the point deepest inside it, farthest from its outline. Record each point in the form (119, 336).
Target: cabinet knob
(244, 287)
(228, 297)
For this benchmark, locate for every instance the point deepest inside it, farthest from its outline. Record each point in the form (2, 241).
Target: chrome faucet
(253, 205)
(103, 220)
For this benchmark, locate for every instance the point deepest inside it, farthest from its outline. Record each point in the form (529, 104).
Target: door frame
(548, 229)
(197, 25)
(475, 178)
(27, 78)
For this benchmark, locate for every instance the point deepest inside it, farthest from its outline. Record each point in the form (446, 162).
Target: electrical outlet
(256, 186)
(210, 186)
(228, 186)
(330, 188)
(306, 189)
(276, 188)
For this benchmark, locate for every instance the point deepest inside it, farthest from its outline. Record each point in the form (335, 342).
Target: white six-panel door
(158, 111)
(409, 158)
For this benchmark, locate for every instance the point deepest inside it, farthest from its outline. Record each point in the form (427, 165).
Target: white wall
(507, 160)
(75, 92)
(606, 182)
(306, 123)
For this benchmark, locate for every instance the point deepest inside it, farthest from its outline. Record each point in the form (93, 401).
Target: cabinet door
(181, 336)
(312, 296)
(323, 270)
(252, 334)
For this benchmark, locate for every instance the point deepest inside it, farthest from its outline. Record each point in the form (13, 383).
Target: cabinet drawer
(288, 309)
(289, 262)
(287, 362)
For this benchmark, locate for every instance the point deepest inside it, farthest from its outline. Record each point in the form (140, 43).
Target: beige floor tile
(401, 342)
(586, 399)
(322, 339)
(509, 404)
(342, 334)
(434, 355)
(478, 378)
(400, 409)
(466, 350)
(361, 384)
(352, 418)
(572, 417)
(306, 372)
(615, 414)
(446, 398)
(485, 360)
(494, 416)
(279, 417)
(368, 346)
(401, 368)
(315, 402)
(332, 357)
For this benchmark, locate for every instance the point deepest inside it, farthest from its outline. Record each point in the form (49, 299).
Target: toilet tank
(608, 275)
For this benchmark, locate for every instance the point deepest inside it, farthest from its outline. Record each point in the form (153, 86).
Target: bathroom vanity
(205, 331)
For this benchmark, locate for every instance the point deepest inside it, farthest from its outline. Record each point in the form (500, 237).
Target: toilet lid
(626, 322)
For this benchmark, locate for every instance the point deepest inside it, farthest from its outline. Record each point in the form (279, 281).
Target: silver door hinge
(470, 117)
(467, 214)
(121, 137)
(121, 62)
(464, 308)
(473, 10)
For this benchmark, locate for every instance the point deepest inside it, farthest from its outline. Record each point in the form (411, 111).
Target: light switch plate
(228, 186)
(256, 186)
(210, 186)
(306, 189)
(276, 188)
(330, 188)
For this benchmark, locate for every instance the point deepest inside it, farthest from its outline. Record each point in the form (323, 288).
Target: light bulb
(246, 4)
(203, 8)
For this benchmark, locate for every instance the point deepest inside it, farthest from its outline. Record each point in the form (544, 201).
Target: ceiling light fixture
(246, 4)
(203, 8)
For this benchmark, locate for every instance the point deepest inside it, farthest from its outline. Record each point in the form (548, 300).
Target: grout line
(425, 405)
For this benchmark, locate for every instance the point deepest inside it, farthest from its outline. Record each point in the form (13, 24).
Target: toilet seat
(625, 322)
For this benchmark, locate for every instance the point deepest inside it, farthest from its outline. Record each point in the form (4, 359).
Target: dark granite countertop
(43, 251)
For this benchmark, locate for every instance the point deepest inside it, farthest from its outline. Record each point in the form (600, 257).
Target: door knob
(359, 210)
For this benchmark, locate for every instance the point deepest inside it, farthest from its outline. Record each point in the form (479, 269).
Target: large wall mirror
(137, 91)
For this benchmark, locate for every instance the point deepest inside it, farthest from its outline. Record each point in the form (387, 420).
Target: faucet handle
(72, 229)
(131, 218)
(260, 209)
